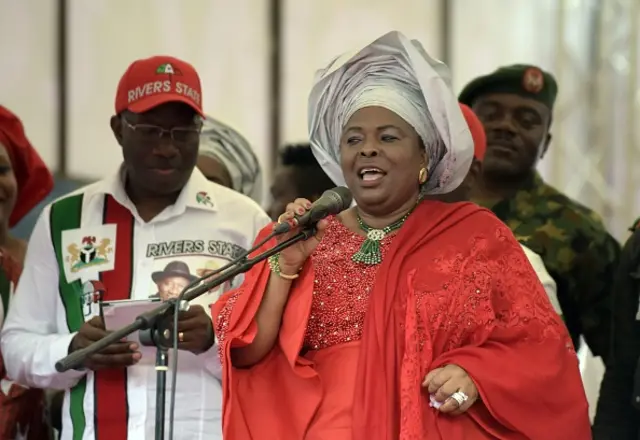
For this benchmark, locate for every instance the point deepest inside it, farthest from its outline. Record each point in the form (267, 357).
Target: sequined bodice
(341, 288)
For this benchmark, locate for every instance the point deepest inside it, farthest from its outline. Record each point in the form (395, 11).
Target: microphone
(332, 202)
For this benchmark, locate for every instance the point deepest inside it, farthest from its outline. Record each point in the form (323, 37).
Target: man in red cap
(157, 96)
(119, 231)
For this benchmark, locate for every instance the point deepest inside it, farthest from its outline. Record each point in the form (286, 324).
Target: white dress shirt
(546, 280)
(206, 227)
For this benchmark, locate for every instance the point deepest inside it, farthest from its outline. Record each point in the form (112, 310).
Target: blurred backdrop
(63, 59)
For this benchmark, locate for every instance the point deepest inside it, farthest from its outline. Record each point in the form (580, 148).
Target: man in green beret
(515, 106)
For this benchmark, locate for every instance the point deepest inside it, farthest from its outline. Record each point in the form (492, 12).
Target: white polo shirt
(208, 226)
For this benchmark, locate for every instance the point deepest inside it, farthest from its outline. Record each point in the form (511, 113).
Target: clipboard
(120, 313)
(117, 314)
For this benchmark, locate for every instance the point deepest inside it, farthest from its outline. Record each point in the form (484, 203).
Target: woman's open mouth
(371, 176)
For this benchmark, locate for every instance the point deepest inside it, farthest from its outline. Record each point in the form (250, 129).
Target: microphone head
(332, 202)
(341, 198)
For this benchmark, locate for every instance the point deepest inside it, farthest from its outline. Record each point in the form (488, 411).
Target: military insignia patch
(533, 80)
(88, 250)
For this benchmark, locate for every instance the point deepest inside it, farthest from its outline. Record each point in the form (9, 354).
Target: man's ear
(116, 128)
(545, 145)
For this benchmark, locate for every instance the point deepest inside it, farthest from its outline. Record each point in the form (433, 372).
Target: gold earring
(422, 177)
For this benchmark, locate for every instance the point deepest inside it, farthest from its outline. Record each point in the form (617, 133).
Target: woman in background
(298, 175)
(24, 182)
(403, 318)
(226, 157)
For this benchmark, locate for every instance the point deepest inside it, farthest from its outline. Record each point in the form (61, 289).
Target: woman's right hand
(292, 258)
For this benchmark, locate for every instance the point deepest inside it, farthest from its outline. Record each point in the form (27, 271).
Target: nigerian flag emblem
(168, 69)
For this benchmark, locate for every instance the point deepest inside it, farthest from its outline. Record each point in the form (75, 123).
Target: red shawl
(485, 309)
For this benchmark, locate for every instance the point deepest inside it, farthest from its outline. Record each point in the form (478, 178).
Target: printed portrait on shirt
(177, 264)
(172, 280)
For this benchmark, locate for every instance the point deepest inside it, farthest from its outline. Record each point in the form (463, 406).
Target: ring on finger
(282, 218)
(460, 397)
(181, 336)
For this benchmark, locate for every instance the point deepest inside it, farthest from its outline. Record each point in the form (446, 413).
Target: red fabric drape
(454, 288)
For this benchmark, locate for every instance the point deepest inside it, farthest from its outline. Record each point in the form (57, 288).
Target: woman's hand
(292, 258)
(444, 382)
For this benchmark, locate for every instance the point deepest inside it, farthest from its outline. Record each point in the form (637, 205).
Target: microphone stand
(155, 332)
(158, 336)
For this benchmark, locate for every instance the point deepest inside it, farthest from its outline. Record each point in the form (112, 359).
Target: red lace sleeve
(494, 319)
(233, 314)
(224, 306)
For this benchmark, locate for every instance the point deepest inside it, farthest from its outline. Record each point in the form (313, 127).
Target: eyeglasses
(181, 135)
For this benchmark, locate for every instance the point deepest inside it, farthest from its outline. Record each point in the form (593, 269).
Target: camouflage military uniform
(578, 252)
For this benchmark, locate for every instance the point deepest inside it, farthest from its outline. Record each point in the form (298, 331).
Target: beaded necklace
(369, 252)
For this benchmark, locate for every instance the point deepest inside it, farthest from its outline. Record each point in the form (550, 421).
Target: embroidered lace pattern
(340, 294)
(341, 288)
(223, 320)
(488, 286)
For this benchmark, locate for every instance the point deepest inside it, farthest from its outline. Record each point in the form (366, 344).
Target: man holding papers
(157, 209)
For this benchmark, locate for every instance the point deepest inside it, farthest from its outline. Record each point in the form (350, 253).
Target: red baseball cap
(477, 132)
(150, 82)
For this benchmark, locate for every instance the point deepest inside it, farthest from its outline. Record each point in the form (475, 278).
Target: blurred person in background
(463, 192)
(403, 318)
(618, 410)
(157, 207)
(227, 158)
(298, 175)
(24, 181)
(61, 185)
(515, 106)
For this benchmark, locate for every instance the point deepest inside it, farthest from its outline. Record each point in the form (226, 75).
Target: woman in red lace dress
(24, 182)
(403, 318)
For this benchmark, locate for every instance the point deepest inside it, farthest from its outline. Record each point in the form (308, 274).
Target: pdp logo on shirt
(203, 199)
